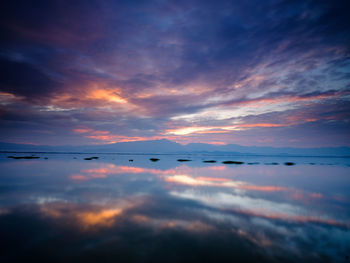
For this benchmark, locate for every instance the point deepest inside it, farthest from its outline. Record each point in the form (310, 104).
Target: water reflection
(64, 210)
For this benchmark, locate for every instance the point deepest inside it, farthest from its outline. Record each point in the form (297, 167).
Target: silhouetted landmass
(166, 146)
(232, 162)
(23, 157)
(154, 159)
(289, 163)
(183, 160)
(271, 163)
(254, 163)
(209, 161)
(131, 160)
(91, 158)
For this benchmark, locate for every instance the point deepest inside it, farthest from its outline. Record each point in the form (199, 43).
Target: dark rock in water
(289, 163)
(46, 158)
(312, 163)
(74, 157)
(91, 158)
(271, 163)
(183, 160)
(253, 163)
(131, 160)
(154, 159)
(209, 161)
(232, 162)
(23, 157)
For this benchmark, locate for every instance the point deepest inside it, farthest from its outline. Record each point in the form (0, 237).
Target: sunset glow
(175, 131)
(124, 77)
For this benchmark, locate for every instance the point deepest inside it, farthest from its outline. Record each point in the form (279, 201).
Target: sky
(265, 73)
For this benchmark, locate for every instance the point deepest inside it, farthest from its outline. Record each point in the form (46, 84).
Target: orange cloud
(82, 130)
(193, 181)
(6, 95)
(184, 179)
(217, 168)
(254, 125)
(93, 94)
(107, 95)
(188, 130)
(88, 217)
(217, 143)
(108, 137)
(103, 172)
(105, 218)
(213, 179)
(264, 188)
(111, 169)
(183, 131)
(177, 176)
(197, 129)
(221, 182)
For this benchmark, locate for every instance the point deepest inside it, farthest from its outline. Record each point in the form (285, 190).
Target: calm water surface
(67, 209)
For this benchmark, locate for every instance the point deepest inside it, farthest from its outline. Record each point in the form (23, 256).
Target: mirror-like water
(111, 209)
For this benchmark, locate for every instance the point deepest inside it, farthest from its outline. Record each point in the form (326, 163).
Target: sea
(79, 207)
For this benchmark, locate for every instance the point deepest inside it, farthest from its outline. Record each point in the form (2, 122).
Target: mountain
(155, 146)
(166, 146)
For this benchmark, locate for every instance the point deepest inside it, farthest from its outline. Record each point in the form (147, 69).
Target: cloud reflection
(207, 212)
(146, 219)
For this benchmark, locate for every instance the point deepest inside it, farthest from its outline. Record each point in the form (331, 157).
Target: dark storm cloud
(23, 79)
(233, 36)
(52, 22)
(226, 33)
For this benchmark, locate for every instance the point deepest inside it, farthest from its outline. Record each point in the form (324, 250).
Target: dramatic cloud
(253, 73)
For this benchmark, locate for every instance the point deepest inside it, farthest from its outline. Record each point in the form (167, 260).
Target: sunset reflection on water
(145, 211)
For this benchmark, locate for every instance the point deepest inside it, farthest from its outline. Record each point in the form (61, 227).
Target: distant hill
(166, 146)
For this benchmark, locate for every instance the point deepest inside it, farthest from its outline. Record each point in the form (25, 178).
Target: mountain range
(169, 147)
